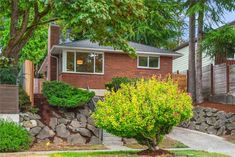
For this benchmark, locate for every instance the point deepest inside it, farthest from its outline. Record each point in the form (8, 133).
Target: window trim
(147, 67)
(64, 62)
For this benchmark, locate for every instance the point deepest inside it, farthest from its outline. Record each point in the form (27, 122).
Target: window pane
(84, 62)
(98, 63)
(153, 62)
(143, 61)
(70, 61)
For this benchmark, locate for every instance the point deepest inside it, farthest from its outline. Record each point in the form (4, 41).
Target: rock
(192, 126)
(57, 140)
(221, 131)
(53, 122)
(211, 120)
(56, 115)
(76, 139)
(203, 127)
(93, 129)
(82, 118)
(69, 115)
(63, 121)
(232, 119)
(77, 124)
(233, 132)
(211, 130)
(218, 124)
(86, 111)
(231, 126)
(62, 131)
(34, 131)
(40, 123)
(94, 140)
(33, 116)
(84, 132)
(34, 123)
(45, 133)
(209, 113)
(90, 121)
(30, 123)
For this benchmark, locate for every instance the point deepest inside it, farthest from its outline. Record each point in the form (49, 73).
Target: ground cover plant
(64, 95)
(145, 111)
(13, 137)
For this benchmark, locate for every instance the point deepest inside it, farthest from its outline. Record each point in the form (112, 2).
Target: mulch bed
(159, 152)
(219, 106)
(46, 146)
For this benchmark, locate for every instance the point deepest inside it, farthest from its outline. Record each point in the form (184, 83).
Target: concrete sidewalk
(202, 141)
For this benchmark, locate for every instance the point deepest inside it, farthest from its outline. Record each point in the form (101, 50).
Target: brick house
(86, 64)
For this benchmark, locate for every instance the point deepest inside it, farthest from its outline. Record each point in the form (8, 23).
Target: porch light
(79, 62)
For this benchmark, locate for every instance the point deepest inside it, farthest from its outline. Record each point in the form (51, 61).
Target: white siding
(181, 63)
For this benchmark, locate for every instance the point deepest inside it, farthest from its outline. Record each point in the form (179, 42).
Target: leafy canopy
(220, 42)
(145, 111)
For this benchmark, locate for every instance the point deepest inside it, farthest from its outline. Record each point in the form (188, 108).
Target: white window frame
(147, 67)
(64, 62)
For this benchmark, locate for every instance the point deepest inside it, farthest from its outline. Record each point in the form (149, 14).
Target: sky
(230, 16)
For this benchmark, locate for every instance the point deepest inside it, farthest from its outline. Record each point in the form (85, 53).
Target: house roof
(88, 45)
(184, 44)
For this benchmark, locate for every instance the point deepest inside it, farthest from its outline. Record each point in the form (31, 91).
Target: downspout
(57, 67)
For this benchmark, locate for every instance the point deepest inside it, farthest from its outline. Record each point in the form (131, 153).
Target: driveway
(202, 141)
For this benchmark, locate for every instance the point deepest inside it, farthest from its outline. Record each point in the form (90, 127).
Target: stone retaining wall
(211, 121)
(75, 127)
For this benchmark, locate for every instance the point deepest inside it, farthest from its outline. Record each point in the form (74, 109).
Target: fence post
(212, 79)
(227, 78)
(187, 80)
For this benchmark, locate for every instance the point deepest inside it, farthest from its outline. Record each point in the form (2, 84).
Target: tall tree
(200, 30)
(106, 22)
(191, 60)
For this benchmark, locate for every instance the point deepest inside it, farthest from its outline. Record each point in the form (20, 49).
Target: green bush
(145, 111)
(116, 82)
(63, 95)
(24, 101)
(13, 137)
(8, 72)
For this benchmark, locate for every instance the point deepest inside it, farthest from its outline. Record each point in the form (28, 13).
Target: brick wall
(116, 65)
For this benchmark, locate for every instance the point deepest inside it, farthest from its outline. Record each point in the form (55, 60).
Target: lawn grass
(166, 143)
(185, 153)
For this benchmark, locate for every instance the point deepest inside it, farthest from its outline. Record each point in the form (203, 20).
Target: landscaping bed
(166, 143)
(218, 106)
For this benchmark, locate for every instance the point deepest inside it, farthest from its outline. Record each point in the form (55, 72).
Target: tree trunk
(199, 97)
(191, 63)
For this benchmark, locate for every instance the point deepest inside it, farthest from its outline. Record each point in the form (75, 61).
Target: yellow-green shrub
(145, 111)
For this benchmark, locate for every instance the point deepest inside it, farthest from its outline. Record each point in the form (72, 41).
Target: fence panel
(206, 81)
(220, 79)
(181, 80)
(232, 79)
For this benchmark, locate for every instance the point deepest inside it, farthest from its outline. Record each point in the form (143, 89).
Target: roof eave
(114, 51)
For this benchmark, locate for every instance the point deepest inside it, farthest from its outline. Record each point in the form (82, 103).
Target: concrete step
(109, 139)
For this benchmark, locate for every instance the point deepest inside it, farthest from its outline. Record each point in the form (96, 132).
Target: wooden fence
(218, 79)
(181, 79)
(9, 99)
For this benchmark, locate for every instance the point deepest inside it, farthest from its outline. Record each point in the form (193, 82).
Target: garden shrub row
(13, 137)
(64, 95)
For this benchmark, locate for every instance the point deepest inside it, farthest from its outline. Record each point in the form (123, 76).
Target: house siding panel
(116, 65)
(181, 64)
